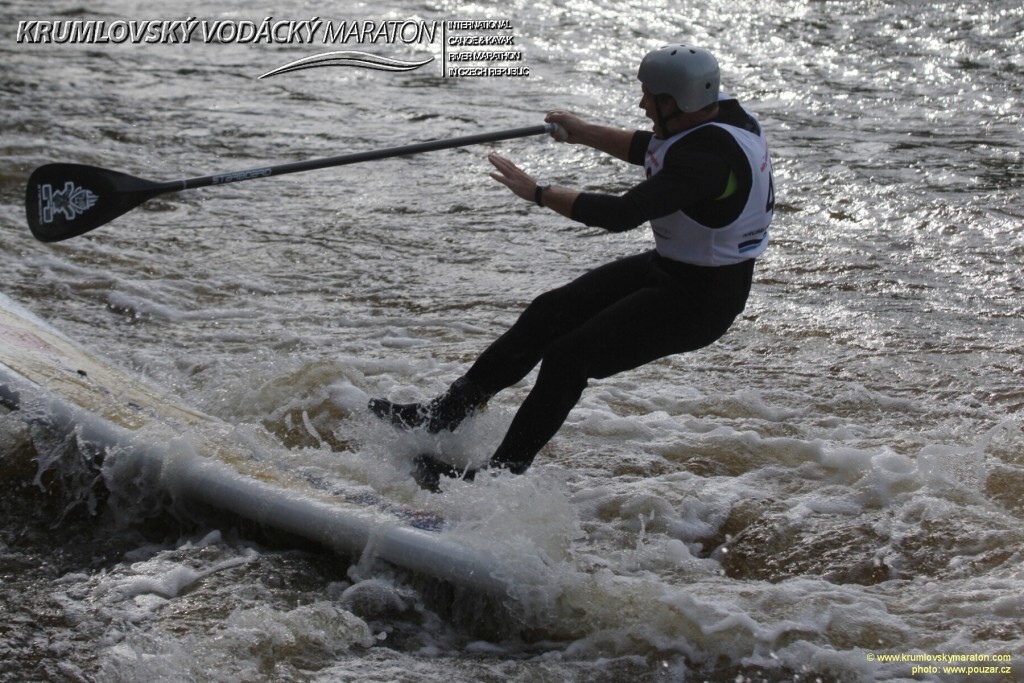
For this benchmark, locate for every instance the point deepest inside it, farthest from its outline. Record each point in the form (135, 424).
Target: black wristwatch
(538, 194)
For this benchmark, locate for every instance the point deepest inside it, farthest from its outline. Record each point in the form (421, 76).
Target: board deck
(77, 391)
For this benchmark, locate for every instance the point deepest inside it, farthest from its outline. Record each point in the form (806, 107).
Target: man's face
(652, 105)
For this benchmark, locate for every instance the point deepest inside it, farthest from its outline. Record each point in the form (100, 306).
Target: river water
(838, 481)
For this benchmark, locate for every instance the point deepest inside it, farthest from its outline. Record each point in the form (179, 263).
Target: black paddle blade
(67, 200)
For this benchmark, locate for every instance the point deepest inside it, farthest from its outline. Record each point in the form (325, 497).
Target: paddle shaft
(357, 157)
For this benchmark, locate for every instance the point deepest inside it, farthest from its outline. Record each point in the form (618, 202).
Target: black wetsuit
(632, 311)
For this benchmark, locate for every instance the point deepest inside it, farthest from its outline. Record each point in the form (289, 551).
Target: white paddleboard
(76, 391)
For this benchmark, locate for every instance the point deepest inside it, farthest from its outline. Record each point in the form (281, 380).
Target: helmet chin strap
(663, 119)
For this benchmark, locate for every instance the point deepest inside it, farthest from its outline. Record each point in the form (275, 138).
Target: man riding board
(709, 197)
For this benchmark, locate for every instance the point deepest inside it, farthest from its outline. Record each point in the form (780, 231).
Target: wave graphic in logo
(350, 58)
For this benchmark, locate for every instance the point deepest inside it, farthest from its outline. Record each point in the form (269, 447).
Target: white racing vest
(681, 238)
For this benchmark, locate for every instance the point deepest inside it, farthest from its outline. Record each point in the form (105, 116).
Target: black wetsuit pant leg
(617, 317)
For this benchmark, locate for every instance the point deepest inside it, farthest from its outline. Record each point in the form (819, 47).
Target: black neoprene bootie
(428, 470)
(446, 412)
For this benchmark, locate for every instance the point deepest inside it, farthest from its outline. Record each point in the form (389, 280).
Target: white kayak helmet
(689, 74)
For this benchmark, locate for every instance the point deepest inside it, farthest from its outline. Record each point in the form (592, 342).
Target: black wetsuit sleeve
(692, 174)
(638, 146)
(615, 214)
